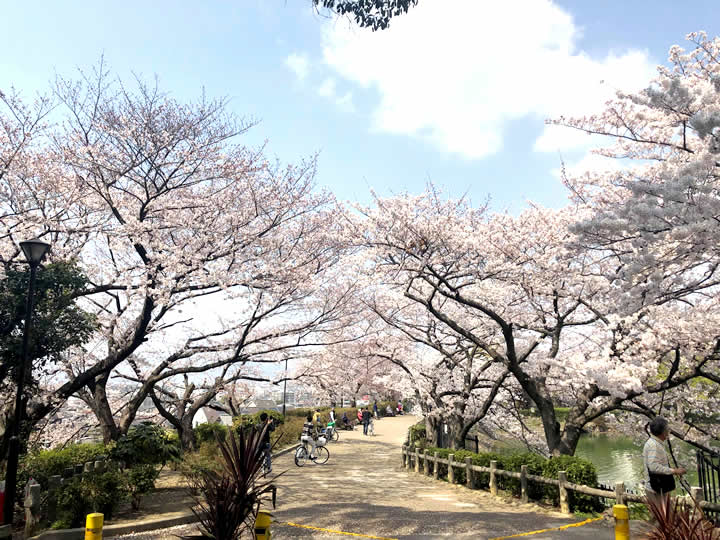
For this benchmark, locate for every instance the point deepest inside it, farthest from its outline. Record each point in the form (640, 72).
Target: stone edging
(125, 528)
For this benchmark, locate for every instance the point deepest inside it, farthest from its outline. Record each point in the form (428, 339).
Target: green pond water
(619, 459)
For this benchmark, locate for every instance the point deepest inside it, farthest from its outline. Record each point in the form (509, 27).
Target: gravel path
(363, 489)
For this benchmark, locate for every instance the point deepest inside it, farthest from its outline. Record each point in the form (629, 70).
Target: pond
(619, 459)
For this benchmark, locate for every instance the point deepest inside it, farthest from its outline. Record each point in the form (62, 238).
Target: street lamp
(34, 251)
(284, 387)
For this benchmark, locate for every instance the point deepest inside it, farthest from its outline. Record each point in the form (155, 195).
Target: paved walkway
(364, 489)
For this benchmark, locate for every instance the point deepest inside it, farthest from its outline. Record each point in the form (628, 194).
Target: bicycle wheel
(323, 454)
(301, 456)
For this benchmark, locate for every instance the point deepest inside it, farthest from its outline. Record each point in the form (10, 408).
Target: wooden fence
(413, 459)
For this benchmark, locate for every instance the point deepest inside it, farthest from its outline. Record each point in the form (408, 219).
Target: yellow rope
(579, 524)
(331, 530)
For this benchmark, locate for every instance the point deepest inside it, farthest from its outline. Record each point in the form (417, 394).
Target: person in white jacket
(659, 479)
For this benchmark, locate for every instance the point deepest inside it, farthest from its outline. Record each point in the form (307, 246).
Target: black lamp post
(34, 251)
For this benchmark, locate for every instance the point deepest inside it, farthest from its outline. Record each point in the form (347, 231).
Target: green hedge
(579, 471)
(43, 464)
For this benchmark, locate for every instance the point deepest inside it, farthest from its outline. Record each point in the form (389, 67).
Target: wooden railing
(413, 459)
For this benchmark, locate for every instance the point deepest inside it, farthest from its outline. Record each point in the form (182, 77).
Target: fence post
(426, 463)
(417, 461)
(564, 504)
(54, 483)
(89, 467)
(493, 478)
(523, 484)
(32, 509)
(436, 467)
(78, 469)
(402, 455)
(451, 472)
(100, 466)
(468, 472)
(620, 493)
(697, 494)
(68, 472)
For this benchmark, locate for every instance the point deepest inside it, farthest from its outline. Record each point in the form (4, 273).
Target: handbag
(662, 483)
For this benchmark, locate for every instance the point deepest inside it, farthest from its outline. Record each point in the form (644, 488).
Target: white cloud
(328, 89)
(458, 74)
(298, 64)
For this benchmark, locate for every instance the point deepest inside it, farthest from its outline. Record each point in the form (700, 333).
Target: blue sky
(454, 92)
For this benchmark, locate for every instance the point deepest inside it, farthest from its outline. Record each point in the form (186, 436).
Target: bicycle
(302, 454)
(331, 432)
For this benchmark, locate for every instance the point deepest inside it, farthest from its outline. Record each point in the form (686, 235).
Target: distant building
(207, 415)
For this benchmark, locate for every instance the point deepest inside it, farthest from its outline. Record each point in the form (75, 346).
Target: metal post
(285, 386)
(14, 446)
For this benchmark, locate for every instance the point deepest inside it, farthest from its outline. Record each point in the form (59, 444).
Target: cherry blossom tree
(163, 209)
(518, 292)
(655, 219)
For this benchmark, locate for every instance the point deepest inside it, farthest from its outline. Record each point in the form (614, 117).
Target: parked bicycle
(303, 453)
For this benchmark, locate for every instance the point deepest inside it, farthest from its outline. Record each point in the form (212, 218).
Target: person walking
(266, 426)
(365, 420)
(308, 435)
(659, 480)
(375, 409)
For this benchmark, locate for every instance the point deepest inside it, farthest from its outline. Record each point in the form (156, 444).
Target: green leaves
(146, 444)
(58, 322)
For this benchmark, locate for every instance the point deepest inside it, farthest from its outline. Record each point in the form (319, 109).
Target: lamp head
(34, 250)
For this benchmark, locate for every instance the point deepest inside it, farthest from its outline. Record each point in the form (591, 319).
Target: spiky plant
(229, 500)
(675, 520)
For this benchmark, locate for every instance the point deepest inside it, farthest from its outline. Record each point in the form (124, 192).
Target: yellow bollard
(94, 526)
(622, 522)
(262, 526)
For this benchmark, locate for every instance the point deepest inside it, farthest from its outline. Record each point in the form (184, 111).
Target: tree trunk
(433, 425)
(186, 434)
(101, 407)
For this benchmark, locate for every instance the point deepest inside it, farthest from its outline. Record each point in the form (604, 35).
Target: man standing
(658, 473)
(266, 426)
(365, 420)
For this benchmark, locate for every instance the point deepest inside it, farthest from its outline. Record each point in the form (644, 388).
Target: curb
(126, 528)
(119, 529)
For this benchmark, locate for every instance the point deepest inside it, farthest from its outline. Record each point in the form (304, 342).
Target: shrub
(229, 500)
(145, 444)
(140, 481)
(674, 520)
(90, 493)
(535, 465)
(417, 435)
(210, 432)
(46, 463)
(206, 458)
(579, 471)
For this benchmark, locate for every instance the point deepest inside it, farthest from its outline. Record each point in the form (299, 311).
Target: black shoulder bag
(662, 483)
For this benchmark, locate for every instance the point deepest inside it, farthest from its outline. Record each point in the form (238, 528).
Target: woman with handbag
(658, 473)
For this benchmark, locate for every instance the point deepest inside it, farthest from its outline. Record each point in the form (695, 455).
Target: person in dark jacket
(266, 426)
(365, 420)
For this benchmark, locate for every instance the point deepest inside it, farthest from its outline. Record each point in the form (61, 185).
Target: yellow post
(94, 526)
(262, 526)
(622, 522)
